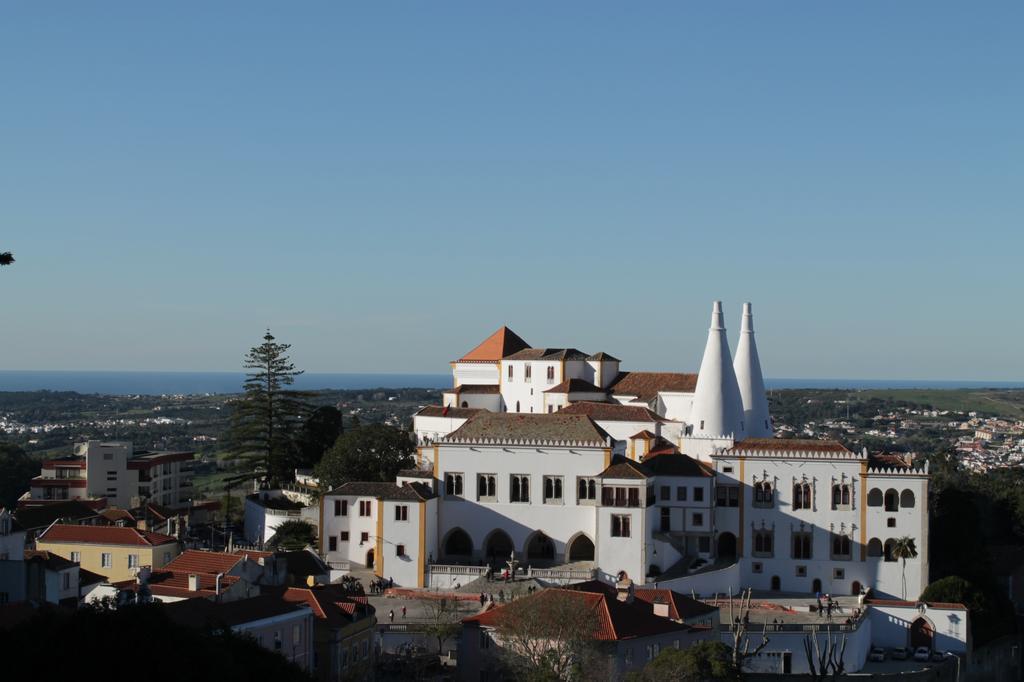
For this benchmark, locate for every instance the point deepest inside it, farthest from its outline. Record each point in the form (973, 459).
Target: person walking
(391, 615)
(403, 612)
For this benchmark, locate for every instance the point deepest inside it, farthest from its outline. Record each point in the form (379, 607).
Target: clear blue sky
(385, 185)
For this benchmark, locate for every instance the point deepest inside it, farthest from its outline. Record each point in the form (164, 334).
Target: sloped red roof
(175, 584)
(789, 445)
(575, 386)
(676, 464)
(104, 535)
(498, 345)
(196, 561)
(646, 385)
(329, 603)
(612, 412)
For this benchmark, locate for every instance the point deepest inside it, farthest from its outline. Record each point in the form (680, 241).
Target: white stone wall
(475, 373)
(354, 550)
(404, 569)
(892, 623)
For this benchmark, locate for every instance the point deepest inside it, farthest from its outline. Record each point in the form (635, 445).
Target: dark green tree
(267, 419)
(318, 433)
(293, 534)
(6, 258)
(370, 453)
(16, 468)
(705, 661)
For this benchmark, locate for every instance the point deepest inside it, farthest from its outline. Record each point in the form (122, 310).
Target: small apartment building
(389, 527)
(12, 559)
(51, 578)
(115, 552)
(344, 629)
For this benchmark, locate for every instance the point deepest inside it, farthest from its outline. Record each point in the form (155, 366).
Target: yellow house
(113, 551)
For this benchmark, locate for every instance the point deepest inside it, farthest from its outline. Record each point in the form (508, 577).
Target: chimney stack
(193, 582)
(660, 607)
(747, 367)
(717, 407)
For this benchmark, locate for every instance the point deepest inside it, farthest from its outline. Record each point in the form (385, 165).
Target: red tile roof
(474, 389)
(788, 445)
(612, 412)
(498, 345)
(196, 561)
(889, 460)
(676, 464)
(575, 386)
(330, 603)
(104, 535)
(175, 584)
(646, 385)
(51, 560)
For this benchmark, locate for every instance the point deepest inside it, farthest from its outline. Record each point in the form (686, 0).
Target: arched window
(801, 545)
(841, 495)
(465, 404)
(510, 372)
(802, 496)
(581, 492)
(549, 488)
(887, 549)
(841, 546)
(892, 500)
(763, 494)
(528, 373)
(515, 488)
(764, 544)
(517, 406)
(551, 374)
(875, 498)
(592, 489)
(907, 498)
(874, 547)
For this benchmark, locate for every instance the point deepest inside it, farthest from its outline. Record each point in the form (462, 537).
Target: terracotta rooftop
(330, 603)
(644, 435)
(575, 386)
(498, 345)
(604, 357)
(515, 426)
(680, 606)
(384, 490)
(175, 584)
(202, 613)
(614, 620)
(677, 465)
(550, 354)
(43, 515)
(788, 445)
(625, 468)
(612, 412)
(646, 385)
(104, 535)
(889, 460)
(197, 561)
(52, 561)
(474, 389)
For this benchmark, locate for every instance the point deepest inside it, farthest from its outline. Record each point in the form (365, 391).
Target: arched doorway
(581, 548)
(727, 546)
(498, 546)
(370, 555)
(816, 585)
(922, 632)
(540, 548)
(458, 544)
(855, 588)
(776, 583)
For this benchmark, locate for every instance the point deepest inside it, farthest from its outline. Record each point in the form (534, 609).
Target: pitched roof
(86, 578)
(166, 583)
(515, 426)
(680, 606)
(197, 561)
(612, 412)
(104, 535)
(575, 386)
(625, 468)
(413, 491)
(550, 354)
(114, 515)
(788, 445)
(604, 357)
(330, 603)
(645, 435)
(45, 514)
(677, 465)
(498, 345)
(453, 412)
(302, 563)
(889, 460)
(203, 613)
(415, 473)
(615, 620)
(646, 385)
(474, 389)
(52, 561)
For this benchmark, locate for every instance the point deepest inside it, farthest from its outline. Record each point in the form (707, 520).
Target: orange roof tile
(104, 535)
(196, 561)
(498, 345)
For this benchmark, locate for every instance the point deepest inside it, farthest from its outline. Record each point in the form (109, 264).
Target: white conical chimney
(717, 407)
(747, 366)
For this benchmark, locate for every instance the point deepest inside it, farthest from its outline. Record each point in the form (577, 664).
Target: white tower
(747, 366)
(717, 407)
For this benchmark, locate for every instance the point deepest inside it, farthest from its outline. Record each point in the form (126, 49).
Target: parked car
(922, 653)
(938, 656)
(877, 654)
(900, 654)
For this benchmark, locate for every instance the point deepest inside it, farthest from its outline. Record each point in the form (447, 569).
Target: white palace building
(674, 479)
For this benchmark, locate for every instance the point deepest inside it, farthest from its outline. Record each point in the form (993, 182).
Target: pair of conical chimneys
(729, 400)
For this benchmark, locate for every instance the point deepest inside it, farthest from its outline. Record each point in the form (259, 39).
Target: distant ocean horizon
(175, 383)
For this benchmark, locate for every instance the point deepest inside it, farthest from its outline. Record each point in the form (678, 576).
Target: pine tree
(6, 258)
(266, 420)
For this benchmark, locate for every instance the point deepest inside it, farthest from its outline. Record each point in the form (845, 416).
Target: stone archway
(727, 546)
(458, 544)
(855, 588)
(370, 558)
(580, 548)
(540, 548)
(498, 546)
(922, 633)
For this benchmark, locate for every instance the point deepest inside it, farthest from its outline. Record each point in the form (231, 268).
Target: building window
(727, 469)
(553, 489)
(453, 485)
(892, 500)
(400, 550)
(337, 507)
(763, 494)
(698, 494)
(801, 545)
(681, 493)
(485, 639)
(364, 507)
(486, 487)
(666, 493)
(697, 519)
(841, 496)
(344, 507)
(620, 526)
(838, 574)
(364, 537)
(66, 579)
(167, 557)
(803, 497)
(133, 561)
(757, 567)
(401, 512)
(617, 496)
(890, 522)
(106, 560)
(111, 475)
(551, 375)
(586, 489)
(332, 544)
(725, 495)
(764, 542)
(801, 571)
(841, 546)
(528, 373)
(343, 536)
(510, 373)
(519, 485)
(76, 557)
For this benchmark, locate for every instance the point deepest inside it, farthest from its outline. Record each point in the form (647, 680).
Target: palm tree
(904, 548)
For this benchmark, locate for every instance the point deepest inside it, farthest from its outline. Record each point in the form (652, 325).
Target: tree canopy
(267, 419)
(293, 534)
(704, 661)
(319, 432)
(16, 469)
(369, 453)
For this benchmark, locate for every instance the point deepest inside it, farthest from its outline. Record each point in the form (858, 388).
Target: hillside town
(684, 516)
